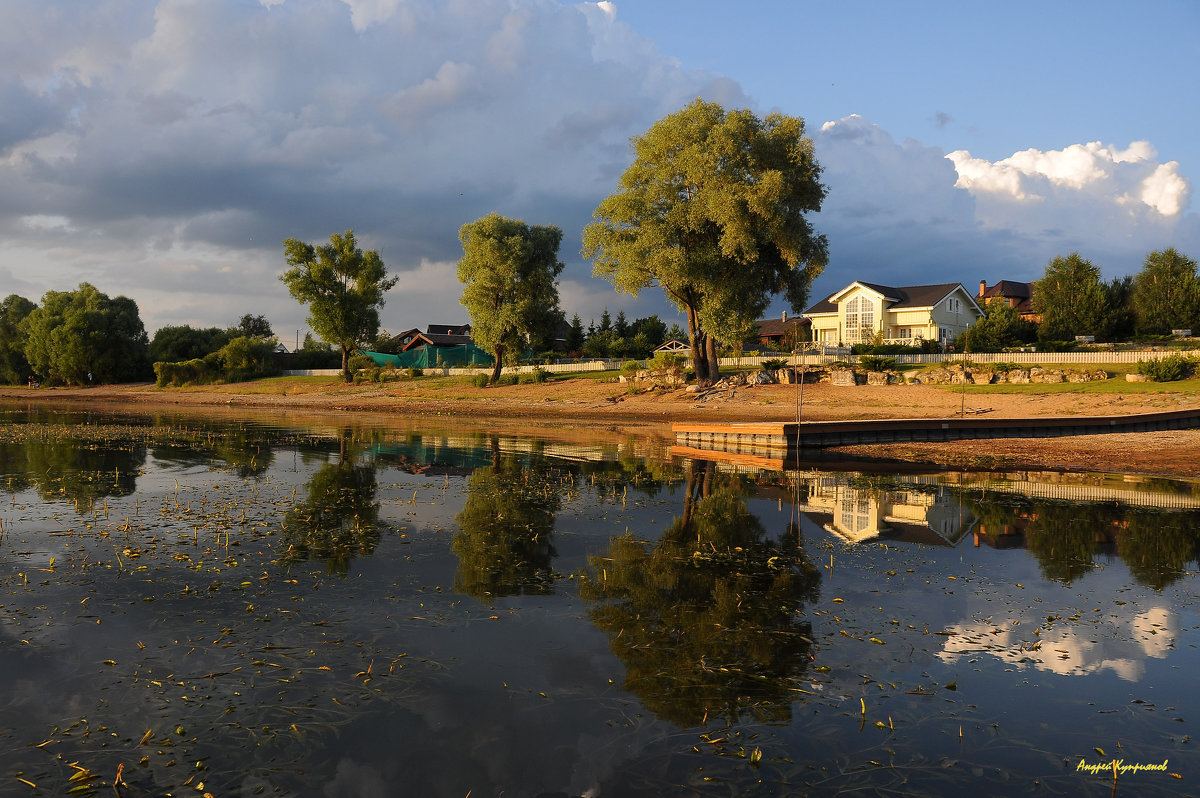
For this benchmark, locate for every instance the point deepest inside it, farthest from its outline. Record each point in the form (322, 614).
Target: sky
(164, 149)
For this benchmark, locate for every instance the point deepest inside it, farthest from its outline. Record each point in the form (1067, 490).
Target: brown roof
(1011, 289)
(770, 328)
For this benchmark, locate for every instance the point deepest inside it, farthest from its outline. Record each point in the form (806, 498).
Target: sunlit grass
(1113, 385)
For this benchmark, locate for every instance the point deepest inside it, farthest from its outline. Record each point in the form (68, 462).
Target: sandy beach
(609, 405)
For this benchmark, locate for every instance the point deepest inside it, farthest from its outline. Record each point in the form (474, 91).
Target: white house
(904, 314)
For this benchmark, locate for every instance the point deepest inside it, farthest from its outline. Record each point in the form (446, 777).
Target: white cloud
(1089, 170)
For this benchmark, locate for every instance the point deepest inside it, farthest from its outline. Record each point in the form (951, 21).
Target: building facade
(863, 312)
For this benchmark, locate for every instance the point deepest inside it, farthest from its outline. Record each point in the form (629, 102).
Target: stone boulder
(845, 377)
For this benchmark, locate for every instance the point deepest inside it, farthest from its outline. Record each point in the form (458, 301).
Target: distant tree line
(85, 337)
(1073, 300)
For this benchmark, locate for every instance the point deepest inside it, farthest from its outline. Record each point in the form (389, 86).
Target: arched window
(860, 318)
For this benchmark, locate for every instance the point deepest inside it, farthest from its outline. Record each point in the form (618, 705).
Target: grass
(1115, 385)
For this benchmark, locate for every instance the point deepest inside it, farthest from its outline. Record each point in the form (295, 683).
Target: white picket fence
(1023, 358)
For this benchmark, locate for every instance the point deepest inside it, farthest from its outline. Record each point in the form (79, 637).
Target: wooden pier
(784, 437)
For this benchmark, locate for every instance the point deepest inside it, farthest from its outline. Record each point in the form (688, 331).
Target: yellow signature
(1120, 766)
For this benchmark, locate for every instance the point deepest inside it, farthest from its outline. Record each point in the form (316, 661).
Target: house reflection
(857, 512)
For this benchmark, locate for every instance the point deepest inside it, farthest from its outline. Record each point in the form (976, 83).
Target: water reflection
(504, 539)
(708, 619)
(340, 518)
(862, 508)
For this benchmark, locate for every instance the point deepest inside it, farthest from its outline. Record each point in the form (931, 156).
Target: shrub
(631, 367)
(840, 364)
(534, 377)
(359, 362)
(1169, 369)
(877, 362)
(480, 380)
(666, 360)
(773, 365)
(413, 371)
(507, 379)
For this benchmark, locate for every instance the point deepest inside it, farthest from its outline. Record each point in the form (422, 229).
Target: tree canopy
(1166, 293)
(509, 272)
(713, 211)
(82, 336)
(14, 368)
(251, 326)
(1071, 299)
(343, 288)
(175, 343)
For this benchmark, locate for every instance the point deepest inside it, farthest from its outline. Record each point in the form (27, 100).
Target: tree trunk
(499, 355)
(714, 363)
(696, 338)
(346, 364)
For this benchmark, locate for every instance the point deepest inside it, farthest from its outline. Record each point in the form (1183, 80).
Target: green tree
(1166, 293)
(509, 272)
(251, 326)
(1070, 299)
(1001, 326)
(713, 211)
(14, 368)
(175, 343)
(576, 336)
(1119, 322)
(83, 336)
(343, 288)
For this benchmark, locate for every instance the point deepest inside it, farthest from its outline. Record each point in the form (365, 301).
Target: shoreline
(590, 406)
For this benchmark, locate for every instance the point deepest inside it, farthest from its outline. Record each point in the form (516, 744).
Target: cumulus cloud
(164, 151)
(149, 136)
(902, 212)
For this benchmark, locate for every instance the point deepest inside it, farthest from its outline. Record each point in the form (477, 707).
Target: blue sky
(163, 149)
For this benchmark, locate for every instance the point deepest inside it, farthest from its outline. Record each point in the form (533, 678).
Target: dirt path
(610, 405)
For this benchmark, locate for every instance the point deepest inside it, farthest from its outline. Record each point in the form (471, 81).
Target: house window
(954, 304)
(860, 318)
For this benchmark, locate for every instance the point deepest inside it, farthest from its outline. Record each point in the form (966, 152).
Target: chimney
(982, 288)
(784, 316)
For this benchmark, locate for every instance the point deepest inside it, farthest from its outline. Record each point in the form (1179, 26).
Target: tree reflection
(707, 619)
(340, 519)
(504, 545)
(1155, 545)
(72, 469)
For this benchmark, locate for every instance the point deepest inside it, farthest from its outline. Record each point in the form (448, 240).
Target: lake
(239, 606)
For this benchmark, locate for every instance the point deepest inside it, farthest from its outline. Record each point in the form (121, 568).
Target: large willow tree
(713, 210)
(509, 273)
(343, 288)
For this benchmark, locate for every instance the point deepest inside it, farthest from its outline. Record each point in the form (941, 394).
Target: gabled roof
(433, 339)
(901, 297)
(1009, 289)
(448, 329)
(674, 345)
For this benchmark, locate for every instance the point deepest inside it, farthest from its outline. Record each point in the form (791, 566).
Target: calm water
(198, 606)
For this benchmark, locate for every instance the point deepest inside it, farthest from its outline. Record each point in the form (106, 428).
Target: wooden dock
(788, 436)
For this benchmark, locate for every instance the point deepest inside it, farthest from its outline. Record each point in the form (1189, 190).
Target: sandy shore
(588, 402)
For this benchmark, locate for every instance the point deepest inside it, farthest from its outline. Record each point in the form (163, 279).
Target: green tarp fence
(428, 357)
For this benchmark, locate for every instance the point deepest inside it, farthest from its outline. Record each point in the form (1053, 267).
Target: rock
(1019, 377)
(693, 388)
(843, 377)
(1078, 376)
(622, 378)
(879, 378)
(759, 378)
(913, 376)
(982, 376)
(1099, 375)
(1131, 377)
